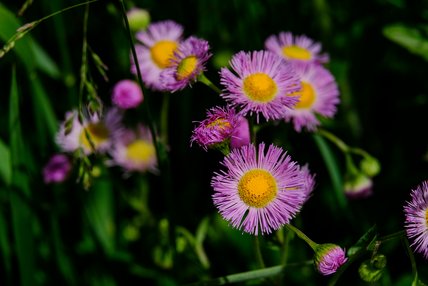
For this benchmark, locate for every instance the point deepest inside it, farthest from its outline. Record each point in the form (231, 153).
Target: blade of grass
(5, 164)
(22, 216)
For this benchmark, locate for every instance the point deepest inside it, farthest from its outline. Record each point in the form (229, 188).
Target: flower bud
(371, 270)
(57, 169)
(138, 19)
(358, 186)
(328, 258)
(370, 166)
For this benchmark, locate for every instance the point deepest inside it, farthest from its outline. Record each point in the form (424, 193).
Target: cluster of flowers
(261, 188)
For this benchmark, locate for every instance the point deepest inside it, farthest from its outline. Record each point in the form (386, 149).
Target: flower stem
(398, 234)
(303, 236)
(258, 252)
(333, 138)
(203, 79)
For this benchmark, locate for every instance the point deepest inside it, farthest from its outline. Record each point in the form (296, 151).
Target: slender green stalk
(398, 234)
(411, 257)
(203, 79)
(164, 119)
(333, 138)
(301, 235)
(258, 252)
(84, 66)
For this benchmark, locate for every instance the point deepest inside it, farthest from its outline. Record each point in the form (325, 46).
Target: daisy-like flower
(216, 130)
(259, 192)
(188, 62)
(92, 135)
(296, 48)
(158, 44)
(134, 150)
(416, 219)
(127, 94)
(262, 84)
(319, 96)
(328, 258)
(309, 180)
(57, 169)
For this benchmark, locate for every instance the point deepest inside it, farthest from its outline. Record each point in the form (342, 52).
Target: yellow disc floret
(219, 123)
(97, 132)
(186, 67)
(426, 216)
(260, 87)
(162, 52)
(140, 151)
(296, 52)
(307, 96)
(257, 188)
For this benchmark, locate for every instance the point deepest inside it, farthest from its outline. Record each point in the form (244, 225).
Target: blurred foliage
(124, 231)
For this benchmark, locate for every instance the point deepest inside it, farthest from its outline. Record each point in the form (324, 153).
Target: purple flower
(262, 83)
(188, 62)
(416, 219)
(358, 186)
(127, 94)
(328, 258)
(296, 48)
(57, 169)
(259, 192)
(318, 97)
(216, 129)
(241, 133)
(156, 50)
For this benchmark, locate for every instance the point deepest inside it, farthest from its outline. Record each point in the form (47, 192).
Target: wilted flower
(158, 44)
(57, 169)
(416, 219)
(259, 192)
(296, 48)
(188, 62)
(127, 94)
(262, 83)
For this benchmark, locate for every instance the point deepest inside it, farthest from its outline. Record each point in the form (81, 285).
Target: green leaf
(413, 39)
(29, 51)
(5, 246)
(22, 216)
(5, 163)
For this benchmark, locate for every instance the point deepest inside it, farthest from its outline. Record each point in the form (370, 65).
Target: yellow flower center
(162, 52)
(219, 123)
(186, 67)
(97, 132)
(260, 87)
(307, 96)
(426, 216)
(140, 151)
(296, 52)
(257, 188)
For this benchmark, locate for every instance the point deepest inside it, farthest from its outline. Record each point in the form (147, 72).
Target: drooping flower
(127, 94)
(416, 219)
(155, 51)
(319, 96)
(134, 150)
(262, 83)
(296, 48)
(216, 129)
(358, 186)
(241, 133)
(328, 258)
(93, 134)
(57, 169)
(188, 62)
(259, 192)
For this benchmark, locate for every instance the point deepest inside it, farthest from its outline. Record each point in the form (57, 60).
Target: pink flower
(127, 94)
(57, 169)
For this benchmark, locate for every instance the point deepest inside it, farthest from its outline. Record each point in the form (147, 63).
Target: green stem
(303, 236)
(412, 259)
(83, 68)
(258, 252)
(398, 234)
(203, 79)
(164, 119)
(333, 138)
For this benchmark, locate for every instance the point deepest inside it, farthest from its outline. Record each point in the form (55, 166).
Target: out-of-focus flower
(259, 192)
(216, 130)
(358, 186)
(156, 50)
(416, 219)
(296, 48)
(57, 169)
(138, 19)
(92, 135)
(188, 62)
(134, 150)
(319, 96)
(127, 94)
(262, 83)
(328, 258)
(241, 133)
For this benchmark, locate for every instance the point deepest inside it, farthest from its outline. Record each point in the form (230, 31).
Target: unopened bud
(370, 166)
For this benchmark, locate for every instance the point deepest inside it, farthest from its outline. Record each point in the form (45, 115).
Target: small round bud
(138, 19)
(370, 166)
